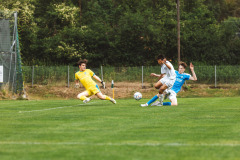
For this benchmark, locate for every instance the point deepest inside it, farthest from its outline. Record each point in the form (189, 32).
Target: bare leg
(161, 96)
(163, 88)
(158, 84)
(174, 102)
(105, 97)
(82, 96)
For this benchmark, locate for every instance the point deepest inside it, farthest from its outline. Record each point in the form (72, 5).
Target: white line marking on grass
(47, 109)
(123, 144)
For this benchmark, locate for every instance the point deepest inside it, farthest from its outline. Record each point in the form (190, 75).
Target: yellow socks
(107, 98)
(83, 98)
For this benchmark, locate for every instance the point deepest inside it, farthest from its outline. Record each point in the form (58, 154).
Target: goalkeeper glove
(103, 84)
(77, 85)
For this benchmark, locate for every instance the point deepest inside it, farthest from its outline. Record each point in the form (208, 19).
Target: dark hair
(160, 57)
(182, 64)
(82, 61)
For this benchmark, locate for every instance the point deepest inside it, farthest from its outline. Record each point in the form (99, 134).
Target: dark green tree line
(126, 32)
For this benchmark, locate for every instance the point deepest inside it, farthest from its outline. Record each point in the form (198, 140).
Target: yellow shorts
(93, 90)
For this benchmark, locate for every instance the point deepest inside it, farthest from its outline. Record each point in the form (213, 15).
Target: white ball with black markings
(137, 96)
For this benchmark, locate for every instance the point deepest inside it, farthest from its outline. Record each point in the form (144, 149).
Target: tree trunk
(80, 8)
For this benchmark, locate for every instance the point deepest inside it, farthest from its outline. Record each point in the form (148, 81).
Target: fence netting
(10, 60)
(63, 75)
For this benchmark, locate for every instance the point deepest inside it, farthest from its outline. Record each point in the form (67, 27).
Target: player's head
(82, 64)
(181, 67)
(160, 59)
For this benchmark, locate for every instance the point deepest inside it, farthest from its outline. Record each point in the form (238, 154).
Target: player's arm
(164, 62)
(157, 75)
(77, 85)
(193, 77)
(76, 82)
(99, 80)
(161, 76)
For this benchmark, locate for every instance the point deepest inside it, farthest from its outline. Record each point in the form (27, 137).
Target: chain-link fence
(10, 60)
(65, 75)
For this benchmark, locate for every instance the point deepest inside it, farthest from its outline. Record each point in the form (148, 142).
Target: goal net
(10, 59)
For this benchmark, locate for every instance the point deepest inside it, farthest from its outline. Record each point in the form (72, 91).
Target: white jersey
(170, 73)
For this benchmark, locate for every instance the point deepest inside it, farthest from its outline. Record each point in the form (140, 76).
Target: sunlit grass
(199, 128)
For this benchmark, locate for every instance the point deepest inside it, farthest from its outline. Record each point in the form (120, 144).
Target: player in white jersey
(180, 79)
(166, 78)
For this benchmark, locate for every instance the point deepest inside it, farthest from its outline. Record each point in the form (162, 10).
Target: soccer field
(199, 128)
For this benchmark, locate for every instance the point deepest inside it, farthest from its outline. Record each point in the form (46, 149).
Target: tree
(124, 32)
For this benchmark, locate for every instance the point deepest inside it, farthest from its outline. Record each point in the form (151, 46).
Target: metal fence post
(102, 72)
(215, 76)
(68, 76)
(32, 75)
(142, 77)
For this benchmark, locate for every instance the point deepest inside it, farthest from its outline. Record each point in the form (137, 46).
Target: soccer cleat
(157, 103)
(144, 105)
(113, 101)
(86, 100)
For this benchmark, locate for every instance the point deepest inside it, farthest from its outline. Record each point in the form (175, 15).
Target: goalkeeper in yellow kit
(85, 77)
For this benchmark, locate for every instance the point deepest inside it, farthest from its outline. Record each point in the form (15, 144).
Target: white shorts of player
(167, 81)
(171, 94)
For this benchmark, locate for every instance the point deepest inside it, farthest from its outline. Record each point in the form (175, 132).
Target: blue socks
(152, 100)
(155, 98)
(167, 103)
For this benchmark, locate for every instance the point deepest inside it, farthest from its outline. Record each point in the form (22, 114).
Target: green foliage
(126, 32)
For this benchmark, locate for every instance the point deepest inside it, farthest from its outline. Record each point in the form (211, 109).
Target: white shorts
(171, 94)
(167, 81)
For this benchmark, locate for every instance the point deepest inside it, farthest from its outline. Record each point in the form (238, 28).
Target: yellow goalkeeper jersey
(85, 77)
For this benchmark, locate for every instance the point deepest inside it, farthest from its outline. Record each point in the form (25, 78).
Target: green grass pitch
(197, 129)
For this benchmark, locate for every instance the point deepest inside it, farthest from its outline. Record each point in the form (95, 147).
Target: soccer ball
(137, 96)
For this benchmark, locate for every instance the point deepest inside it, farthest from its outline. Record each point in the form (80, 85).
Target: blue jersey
(180, 79)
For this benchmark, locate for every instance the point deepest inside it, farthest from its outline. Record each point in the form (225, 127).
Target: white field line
(124, 144)
(47, 109)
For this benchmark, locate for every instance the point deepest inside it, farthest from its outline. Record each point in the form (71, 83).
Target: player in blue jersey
(166, 78)
(181, 77)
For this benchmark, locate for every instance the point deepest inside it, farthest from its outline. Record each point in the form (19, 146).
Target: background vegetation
(126, 32)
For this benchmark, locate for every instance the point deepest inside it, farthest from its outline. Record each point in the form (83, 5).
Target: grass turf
(199, 128)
